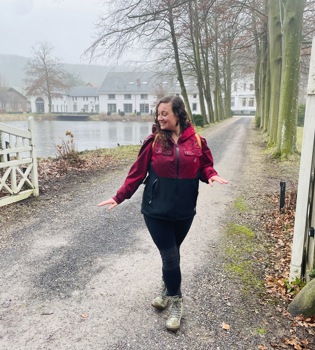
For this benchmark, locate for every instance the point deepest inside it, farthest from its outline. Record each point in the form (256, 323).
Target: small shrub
(67, 150)
(122, 113)
(109, 113)
(198, 120)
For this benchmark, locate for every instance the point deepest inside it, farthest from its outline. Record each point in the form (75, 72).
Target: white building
(78, 99)
(136, 93)
(127, 93)
(83, 99)
(243, 96)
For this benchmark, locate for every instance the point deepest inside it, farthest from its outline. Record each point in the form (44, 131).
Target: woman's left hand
(217, 178)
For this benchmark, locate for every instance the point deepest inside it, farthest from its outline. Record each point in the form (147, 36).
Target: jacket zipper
(177, 160)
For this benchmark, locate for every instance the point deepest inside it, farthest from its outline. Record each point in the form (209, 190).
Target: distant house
(12, 101)
(83, 99)
(78, 99)
(138, 92)
(243, 96)
(127, 93)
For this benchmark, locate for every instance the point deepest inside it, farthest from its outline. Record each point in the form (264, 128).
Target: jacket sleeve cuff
(117, 199)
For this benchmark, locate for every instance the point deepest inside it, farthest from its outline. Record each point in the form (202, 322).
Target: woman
(170, 163)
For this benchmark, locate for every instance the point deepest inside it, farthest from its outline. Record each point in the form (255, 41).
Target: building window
(194, 95)
(244, 86)
(144, 108)
(75, 108)
(144, 96)
(251, 102)
(111, 107)
(85, 98)
(244, 102)
(232, 101)
(74, 98)
(235, 86)
(251, 87)
(86, 108)
(127, 96)
(96, 98)
(128, 107)
(194, 107)
(97, 108)
(111, 96)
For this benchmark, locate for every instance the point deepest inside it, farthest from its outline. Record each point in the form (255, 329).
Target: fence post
(34, 157)
(302, 224)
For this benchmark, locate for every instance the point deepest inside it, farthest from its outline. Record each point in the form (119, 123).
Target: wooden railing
(18, 164)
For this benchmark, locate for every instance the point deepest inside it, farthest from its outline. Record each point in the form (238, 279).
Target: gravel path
(75, 276)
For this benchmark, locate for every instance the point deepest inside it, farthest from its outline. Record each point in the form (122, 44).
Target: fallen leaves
(225, 326)
(279, 228)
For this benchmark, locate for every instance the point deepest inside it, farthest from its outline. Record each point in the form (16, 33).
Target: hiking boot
(176, 313)
(161, 301)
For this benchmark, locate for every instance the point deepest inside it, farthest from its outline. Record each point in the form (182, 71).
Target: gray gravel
(75, 276)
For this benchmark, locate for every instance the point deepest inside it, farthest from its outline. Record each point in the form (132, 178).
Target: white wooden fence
(18, 164)
(302, 260)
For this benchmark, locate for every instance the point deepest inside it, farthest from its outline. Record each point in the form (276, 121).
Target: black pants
(168, 236)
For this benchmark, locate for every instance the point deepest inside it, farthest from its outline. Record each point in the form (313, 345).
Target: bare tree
(45, 74)
(149, 22)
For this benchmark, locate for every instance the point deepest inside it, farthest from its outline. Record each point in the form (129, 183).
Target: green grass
(261, 331)
(239, 253)
(240, 230)
(120, 153)
(240, 204)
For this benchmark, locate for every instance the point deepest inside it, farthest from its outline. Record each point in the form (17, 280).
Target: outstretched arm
(135, 176)
(112, 203)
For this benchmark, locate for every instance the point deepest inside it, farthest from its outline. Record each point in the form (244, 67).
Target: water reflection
(88, 135)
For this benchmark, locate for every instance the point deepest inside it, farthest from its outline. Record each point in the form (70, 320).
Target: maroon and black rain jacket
(171, 176)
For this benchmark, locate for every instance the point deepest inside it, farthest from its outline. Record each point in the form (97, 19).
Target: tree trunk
(177, 63)
(292, 35)
(275, 59)
(207, 87)
(195, 40)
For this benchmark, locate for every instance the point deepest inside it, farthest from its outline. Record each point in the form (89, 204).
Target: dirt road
(75, 276)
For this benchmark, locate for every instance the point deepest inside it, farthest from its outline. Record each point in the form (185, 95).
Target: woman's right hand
(110, 202)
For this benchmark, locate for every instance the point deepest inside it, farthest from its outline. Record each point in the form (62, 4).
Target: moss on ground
(239, 252)
(240, 204)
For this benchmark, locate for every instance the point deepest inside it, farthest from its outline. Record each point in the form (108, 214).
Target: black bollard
(282, 194)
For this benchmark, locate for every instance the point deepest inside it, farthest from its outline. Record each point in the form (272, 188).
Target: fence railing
(18, 164)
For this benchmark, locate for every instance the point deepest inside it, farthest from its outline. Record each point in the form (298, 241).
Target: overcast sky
(68, 25)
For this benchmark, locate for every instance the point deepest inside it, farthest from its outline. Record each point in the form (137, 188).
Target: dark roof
(80, 91)
(128, 82)
(12, 91)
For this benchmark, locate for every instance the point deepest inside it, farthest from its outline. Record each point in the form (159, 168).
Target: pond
(88, 135)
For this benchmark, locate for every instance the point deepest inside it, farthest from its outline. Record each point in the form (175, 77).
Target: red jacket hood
(187, 133)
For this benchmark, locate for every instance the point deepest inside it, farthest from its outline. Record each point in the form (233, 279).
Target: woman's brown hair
(178, 108)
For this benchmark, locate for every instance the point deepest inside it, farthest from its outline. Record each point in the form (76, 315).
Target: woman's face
(166, 118)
